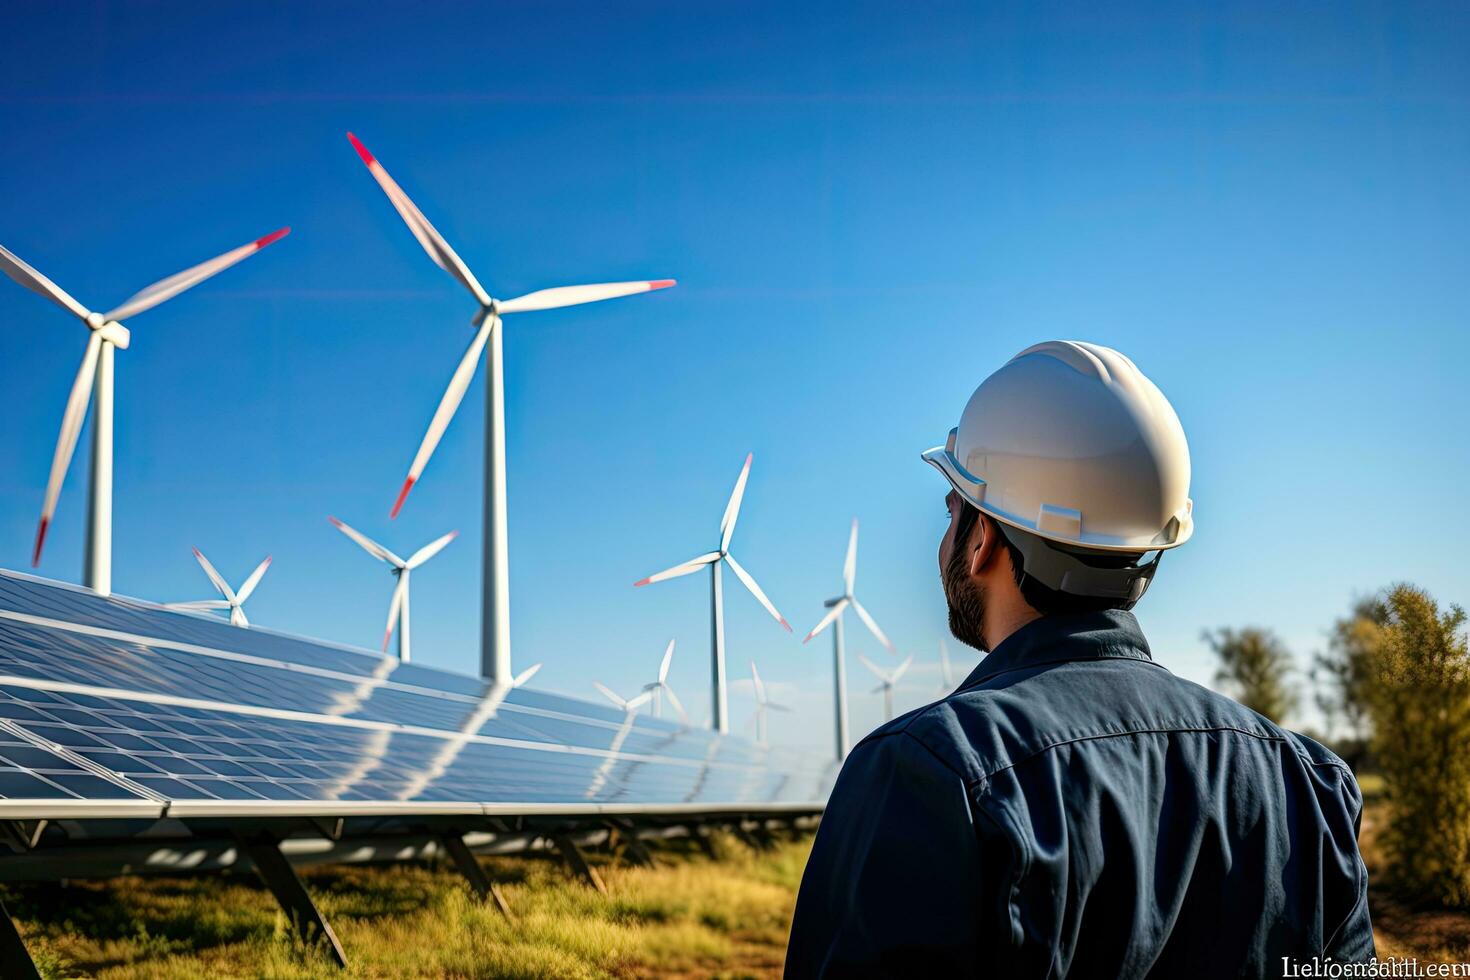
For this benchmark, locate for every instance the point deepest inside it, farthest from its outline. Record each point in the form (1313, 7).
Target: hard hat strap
(1070, 572)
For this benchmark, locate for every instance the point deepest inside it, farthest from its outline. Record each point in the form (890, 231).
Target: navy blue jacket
(1074, 809)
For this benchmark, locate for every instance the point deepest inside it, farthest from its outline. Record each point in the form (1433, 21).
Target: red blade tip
(661, 284)
(335, 522)
(274, 236)
(40, 541)
(786, 624)
(402, 495)
(810, 635)
(386, 634)
(643, 581)
(362, 151)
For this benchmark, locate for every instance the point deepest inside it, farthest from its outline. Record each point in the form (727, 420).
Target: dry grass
(688, 917)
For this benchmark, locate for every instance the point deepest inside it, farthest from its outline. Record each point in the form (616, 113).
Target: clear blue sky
(868, 208)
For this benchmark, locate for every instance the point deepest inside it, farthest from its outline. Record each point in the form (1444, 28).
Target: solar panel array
(116, 707)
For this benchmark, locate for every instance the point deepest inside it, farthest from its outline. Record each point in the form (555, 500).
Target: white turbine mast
(495, 602)
(229, 598)
(714, 559)
(762, 704)
(946, 671)
(398, 606)
(835, 608)
(660, 687)
(93, 384)
(887, 681)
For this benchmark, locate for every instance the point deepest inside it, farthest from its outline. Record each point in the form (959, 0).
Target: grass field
(689, 917)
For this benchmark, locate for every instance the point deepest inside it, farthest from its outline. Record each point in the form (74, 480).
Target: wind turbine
(762, 703)
(835, 608)
(232, 600)
(946, 672)
(661, 687)
(887, 680)
(717, 603)
(629, 705)
(94, 381)
(398, 607)
(495, 600)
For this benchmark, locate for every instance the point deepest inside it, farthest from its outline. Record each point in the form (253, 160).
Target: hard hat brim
(972, 489)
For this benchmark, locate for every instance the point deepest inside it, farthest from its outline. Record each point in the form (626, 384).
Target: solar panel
(112, 706)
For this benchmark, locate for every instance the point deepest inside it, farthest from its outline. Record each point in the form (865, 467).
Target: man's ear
(983, 544)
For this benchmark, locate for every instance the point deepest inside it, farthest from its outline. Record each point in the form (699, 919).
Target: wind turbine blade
(253, 580)
(200, 605)
(633, 704)
(755, 679)
(525, 675)
(428, 236)
(459, 383)
(66, 442)
(755, 590)
(778, 707)
(368, 544)
(870, 624)
(550, 299)
(874, 669)
(879, 689)
(732, 509)
(16, 268)
(828, 619)
(849, 564)
(168, 288)
(219, 581)
(687, 568)
(610, 695)
(430, 550)
(237, 616)
(663, 668)
(395, 606)
(900, 669)
(678, 705)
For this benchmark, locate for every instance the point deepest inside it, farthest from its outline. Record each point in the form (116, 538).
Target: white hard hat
(1070, 442)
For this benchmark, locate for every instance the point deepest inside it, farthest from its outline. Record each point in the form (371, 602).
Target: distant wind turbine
(398, 607)
(94, 382)
(230, 599)
(495, 604)
(629, 705)
(887, 681)
(714, 559)
(946, 672)
(835, 608)
(762, 704)
(660, 687)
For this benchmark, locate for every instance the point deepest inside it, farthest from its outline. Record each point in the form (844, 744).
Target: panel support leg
(480, 883)
(296, 902)
(577, 864)
(634, 850)
(706, 844)
(15, 961)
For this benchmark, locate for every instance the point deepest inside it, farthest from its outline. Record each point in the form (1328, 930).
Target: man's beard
(966, 602)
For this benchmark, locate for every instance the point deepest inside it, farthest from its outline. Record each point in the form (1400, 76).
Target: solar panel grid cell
(201, 713)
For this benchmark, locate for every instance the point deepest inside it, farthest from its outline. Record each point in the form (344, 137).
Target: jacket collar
(1112, 634)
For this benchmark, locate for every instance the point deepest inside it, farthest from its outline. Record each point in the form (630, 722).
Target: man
(1074, 809)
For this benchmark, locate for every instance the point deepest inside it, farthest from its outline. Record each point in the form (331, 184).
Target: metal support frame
(15, 959)
(701, 835)
(22, 835)
(577, 863)
(295, 900)
(468, 865)
(634, 850)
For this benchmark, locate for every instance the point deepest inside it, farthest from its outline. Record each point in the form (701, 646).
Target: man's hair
(1043, 599)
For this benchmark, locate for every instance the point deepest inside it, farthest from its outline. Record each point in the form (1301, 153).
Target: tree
(1254, 666)
(1419, 704)
(1342, 676)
